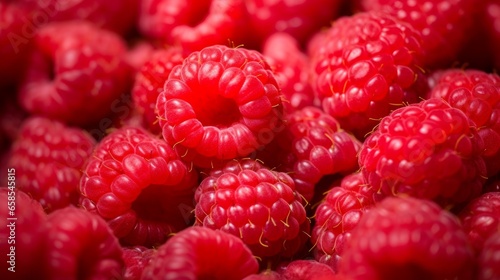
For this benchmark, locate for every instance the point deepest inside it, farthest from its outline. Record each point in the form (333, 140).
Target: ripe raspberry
(75, 74)
(367, 66)
(300, 19)
(307, 270)
(408, 238)
(481, 218)
(258, 205)
(477, 94)
(202, 253)
(139, 185)
(427, 150)
(443, 24)
(220, 104)
(80, 245)
(149, 83)
(337, 216)
(488, 261)
(48, 157)
(26, 233)
(311, 146)
(291, 68)
(136, 259)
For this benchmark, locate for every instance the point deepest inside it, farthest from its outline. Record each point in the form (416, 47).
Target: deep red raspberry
(337, 216)
(24, 233)
(492, 16)
(307, 270)
(202, 253)
(136, 259)
(311, 146)
(367, 65)
(48, 157)
(258, 205)
(80, 245)
(221, 103)
(427, 150)
(137, 183)
(300, 19)
(477, 94)
(481, 218)
(149, 83)
(443, 24)
(75, 74)
(489, 261)
(408, 238)
(291, 67)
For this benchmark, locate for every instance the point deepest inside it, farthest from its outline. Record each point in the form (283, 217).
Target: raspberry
(136, 259)
(202, 253)
(337, 216)
(138, 184)
(367, 66)
(481, 218)
(488, 261)
(444, 25)
(408, 238)
(75, 74)
(221, 103)
(149, 83)
(307, 270)
(493, 29)
(477, 94)
(427, 150)
(256, 204)
(80, 245)
(291, 68)
(48, 157)
(311, 146)
(25, 236)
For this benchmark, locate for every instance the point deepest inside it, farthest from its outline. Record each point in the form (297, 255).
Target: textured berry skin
(136, 259)
(443, 24)
(291, 67)
(408, 238)
(477, 94)
(489, 259)
(481, 218)
(307, 270)
(137, 183)
(259, 206)
(28, 235)
(337, 216)
(202, 253)
(427, 150)
(80, 245)
(221, 103)
(366, 66)
(48, 157)
(311, 146)
(76, 73)
(149, 83)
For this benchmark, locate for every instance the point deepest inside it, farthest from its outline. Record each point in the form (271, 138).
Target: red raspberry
(256, 204)
(493, 28)
(149, 83)
(367, 66)
(488, 261)
(136, 259)
(221, 103)
(477, 94)
(481, 218)
(443, 24)
(337, 216)
(300, 19)
(26, 233)
(312, 146)
(291, 68)
(427, 150)
(48, 157)
(80, 245)
(408, 238)
(307, 270)
(202, 253)
(75, 74)
(139, 185)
